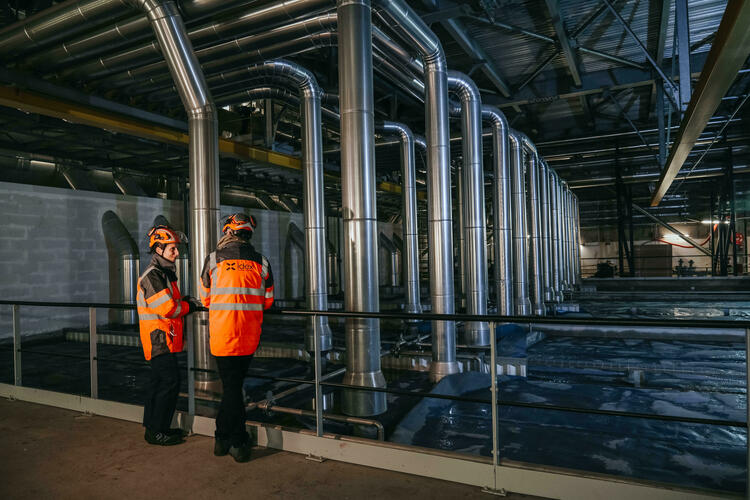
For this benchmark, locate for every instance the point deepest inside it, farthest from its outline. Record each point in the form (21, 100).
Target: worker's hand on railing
(195, 304)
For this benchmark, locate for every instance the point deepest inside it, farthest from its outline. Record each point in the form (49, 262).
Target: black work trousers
(230, 421)
(163, 389)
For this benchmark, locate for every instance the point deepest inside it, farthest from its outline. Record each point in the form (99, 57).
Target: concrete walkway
(48, 452)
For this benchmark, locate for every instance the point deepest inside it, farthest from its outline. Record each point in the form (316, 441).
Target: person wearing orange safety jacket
(160, 311)
(236, 287)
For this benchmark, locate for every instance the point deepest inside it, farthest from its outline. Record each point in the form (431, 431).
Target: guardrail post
(190, 370)
(93, 364)
(493, 389)
(318, 389)
(747, 407)
(17, 344)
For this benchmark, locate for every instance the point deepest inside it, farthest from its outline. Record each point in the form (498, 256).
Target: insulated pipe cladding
(356, 107)
(535, 226)
(473, 221)
(122, 245)
(203, 159)
(408, 215)
(554, 228)
(521, 299)
(440, 220)
(546, 232)
(501, 202)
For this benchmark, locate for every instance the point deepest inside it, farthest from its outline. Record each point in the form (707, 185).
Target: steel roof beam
(728, 53)
(562, 36)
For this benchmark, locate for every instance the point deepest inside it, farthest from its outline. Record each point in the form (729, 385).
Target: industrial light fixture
(714, 222)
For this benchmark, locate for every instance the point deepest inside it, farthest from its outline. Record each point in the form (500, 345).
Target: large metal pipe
(501, 202)
(294, 261)
(408, 215)
(460, 244)
(473, 228)
(203, 156)
(545, 221)
(521, 300)
(122, 245)
(316, 289)
(440, 219)
(569, 235)
(576, 241)
(357, 111)
(393, 261)
(555, 228)
(563, 271)
(535, 226)
(110, 39)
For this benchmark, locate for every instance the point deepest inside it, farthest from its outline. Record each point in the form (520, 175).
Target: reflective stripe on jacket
(160, 309)
(236, 287)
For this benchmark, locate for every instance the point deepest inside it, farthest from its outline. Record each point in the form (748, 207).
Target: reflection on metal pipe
(440, 219)
(408, 216)
(122, 245)
(393, 262)
(473, 225)
(203, 157)
(357, 111)
(641, 332)
(535, 226)
(521, 299)
(501, 202)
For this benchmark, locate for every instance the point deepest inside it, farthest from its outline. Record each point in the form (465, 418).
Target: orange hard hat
(164, 235)
(239, 222)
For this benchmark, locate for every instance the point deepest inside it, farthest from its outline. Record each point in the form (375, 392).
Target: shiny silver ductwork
(546, 232)
(562, 246)
(576, 241)
(535, 226)
(440, 219)
(390, 272)
(359, 213)
(408, 215)
(557, 281)
(521, 300)
(127, 258)
(568, 236)
(474, 219)
(316, 255)
(203, 158)
(501, 202)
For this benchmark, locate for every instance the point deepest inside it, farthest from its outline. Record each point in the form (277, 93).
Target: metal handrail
(681, 323)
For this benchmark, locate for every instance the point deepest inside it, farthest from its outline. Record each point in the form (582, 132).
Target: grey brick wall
(52, 248)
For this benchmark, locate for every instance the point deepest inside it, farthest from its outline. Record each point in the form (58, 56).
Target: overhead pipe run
(502, 212)
(440, 219)
(203, 157)
(409, 224)
(521, 300)
(358, 208)
(122, 245)
(474, 219)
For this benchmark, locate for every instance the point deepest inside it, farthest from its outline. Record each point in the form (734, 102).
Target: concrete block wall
(52, 248)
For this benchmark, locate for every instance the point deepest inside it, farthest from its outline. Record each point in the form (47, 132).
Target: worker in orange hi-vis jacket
(160, 311)
(236, 287)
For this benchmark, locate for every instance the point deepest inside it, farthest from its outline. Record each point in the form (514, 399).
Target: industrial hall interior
(374, 248)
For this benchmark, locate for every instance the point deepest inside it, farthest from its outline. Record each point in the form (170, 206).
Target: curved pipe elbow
(493, 115)
(402, 130)
(463, 87)
(418, 33)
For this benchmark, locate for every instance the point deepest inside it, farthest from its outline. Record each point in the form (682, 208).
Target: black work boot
(221, 447)
(161, 439)
(177, 432)
(241, 453)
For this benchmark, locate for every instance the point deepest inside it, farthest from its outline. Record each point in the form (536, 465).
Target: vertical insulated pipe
(565, 285)
(410, 259)
(546, 233)
(460, 244)
(358, 208)
(556, 255)
(476, 333)
(535, 227)
(569, 222)
(521, 299)
(576, 240)
(440, 219)
(203, 157)
(501, 202)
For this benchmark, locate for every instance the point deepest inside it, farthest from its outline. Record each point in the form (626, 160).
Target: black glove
(195, 304)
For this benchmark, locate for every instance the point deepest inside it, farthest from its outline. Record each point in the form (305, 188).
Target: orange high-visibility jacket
(160, 309)
(236, 287)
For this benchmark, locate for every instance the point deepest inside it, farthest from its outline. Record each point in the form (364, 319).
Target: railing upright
(93, 364)
(17, 345)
